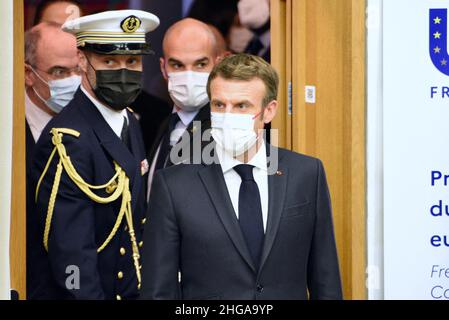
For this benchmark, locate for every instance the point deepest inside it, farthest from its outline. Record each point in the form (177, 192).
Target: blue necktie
(250, 212)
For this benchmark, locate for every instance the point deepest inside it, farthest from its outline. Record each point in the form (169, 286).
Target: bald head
(189, 34)
(46, 44)
(189, 44)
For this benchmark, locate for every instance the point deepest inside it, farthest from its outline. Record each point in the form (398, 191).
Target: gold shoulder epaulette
(117, 186)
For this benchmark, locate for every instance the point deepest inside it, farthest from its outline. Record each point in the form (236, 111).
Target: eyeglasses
(58, 73)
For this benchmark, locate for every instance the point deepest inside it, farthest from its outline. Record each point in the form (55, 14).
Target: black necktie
(125, 133)
(164, 151)
(250, 212)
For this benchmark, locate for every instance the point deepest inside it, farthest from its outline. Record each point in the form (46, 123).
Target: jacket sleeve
(72, 249)
(160, 259)
(323, 270)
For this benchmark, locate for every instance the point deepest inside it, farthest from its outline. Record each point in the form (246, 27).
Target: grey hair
(32, 38)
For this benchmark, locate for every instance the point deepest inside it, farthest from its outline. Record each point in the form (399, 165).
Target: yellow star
(437, 20)
(443, 62)
(437, 49)
(437, 35)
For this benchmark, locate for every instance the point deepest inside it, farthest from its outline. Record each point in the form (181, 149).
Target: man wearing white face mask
(259, 226)
(190, 53)
(52, 77)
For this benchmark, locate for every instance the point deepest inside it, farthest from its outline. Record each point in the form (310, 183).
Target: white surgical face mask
(234, 133)
(239, 38)
(61, 91)
(188, 89)
(254, 14)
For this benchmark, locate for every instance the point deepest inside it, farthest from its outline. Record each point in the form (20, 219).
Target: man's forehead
(50, 56)
(190, 51)
(231, 88)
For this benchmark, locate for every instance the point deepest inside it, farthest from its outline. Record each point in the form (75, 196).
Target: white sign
(416, 149)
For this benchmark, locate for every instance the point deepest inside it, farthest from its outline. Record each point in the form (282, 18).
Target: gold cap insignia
(131, 24)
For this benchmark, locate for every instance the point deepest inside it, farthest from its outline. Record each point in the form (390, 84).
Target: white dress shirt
(36, 117)
(114, 118)
(233, 180)
(185, 118)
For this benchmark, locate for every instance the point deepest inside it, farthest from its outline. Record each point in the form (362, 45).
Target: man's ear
(82, 60)
(270, 111)
(162, 66)
(30, 77)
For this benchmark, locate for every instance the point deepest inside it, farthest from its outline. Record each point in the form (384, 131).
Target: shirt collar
(228, 162)
(36, 117)
(186, 117)
(112, 117)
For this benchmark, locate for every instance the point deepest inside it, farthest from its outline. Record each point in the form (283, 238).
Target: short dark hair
(44, 4)
(247, 67)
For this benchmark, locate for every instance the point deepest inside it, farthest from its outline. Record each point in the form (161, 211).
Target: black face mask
(118, 88)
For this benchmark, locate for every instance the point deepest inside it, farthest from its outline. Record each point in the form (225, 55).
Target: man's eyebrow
(173, 60)
(245, 101)
(205, 59)
(58, 67)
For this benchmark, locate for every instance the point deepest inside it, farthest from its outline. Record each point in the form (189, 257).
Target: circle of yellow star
(437, 49)
(437, 20)
(437, 35)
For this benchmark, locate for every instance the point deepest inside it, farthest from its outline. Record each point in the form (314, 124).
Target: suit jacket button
(120, 275)
(259, 288)
(122, 251)
(140, 244)
(118, 297)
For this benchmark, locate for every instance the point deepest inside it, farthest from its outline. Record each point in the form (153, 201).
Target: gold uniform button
(118, 297)
(126, 228)
(120, 275)
(122, 251)
(140, 244)
(144, 220)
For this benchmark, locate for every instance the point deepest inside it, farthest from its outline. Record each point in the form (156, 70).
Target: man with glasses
(52, 75)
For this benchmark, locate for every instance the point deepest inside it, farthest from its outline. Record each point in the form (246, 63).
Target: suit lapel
(138, 152)
(277, 188)
(157, 141)
(204, 117)
(213, 180)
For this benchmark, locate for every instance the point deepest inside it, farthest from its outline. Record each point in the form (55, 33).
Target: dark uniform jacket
(79, 225)
(193, 229)
(195, 130)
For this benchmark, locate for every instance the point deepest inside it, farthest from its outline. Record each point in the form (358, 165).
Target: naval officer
(90, 170)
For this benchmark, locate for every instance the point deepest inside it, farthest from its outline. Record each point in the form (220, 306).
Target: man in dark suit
(90, 169)
(256, 223)
(190, 53)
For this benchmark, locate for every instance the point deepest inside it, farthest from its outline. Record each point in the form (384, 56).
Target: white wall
(6, 120)
(375, 149)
